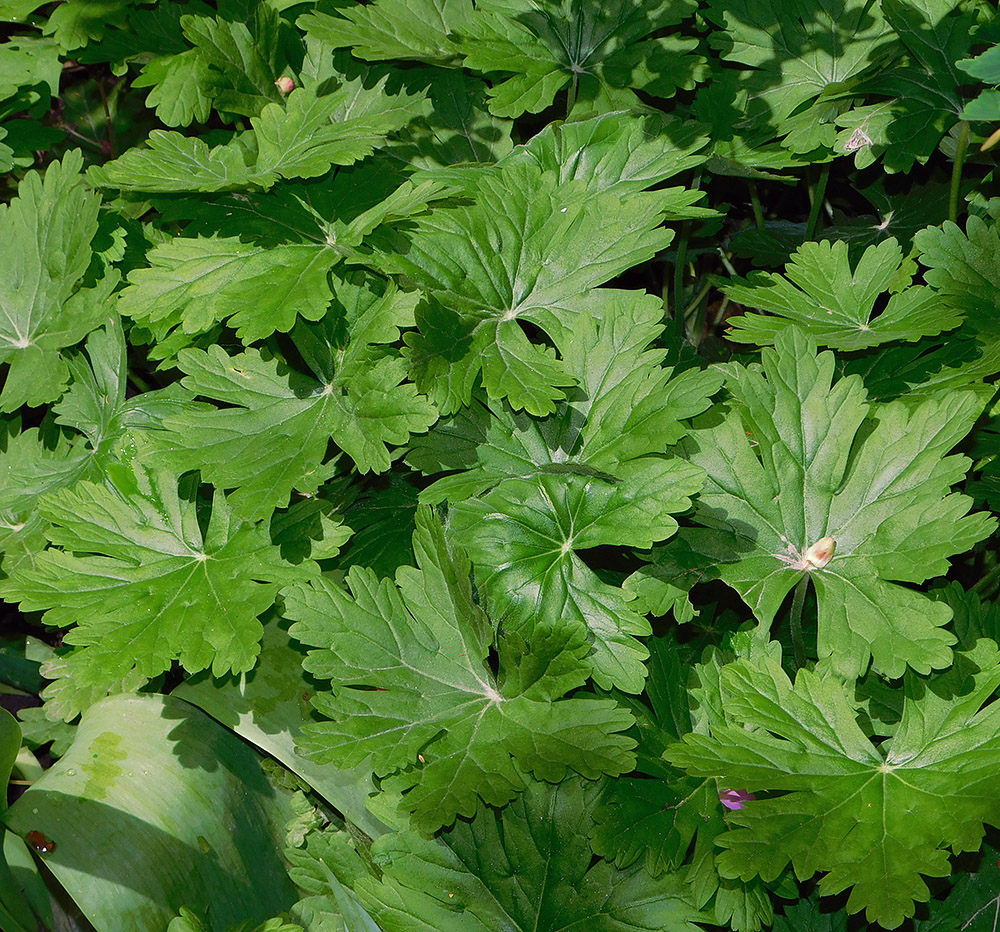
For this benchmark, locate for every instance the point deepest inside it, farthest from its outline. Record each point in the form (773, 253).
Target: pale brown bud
(285, 84)
(820, 553)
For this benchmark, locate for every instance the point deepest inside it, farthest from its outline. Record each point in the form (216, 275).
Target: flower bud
(735, 799)
(284, 84)
(820, 553)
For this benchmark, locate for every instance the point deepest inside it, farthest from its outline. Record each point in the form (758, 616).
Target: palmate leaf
(800, 459)
(528, 868)
(526, 250)
(797, 50)
(404, 30)
(923, 89)
(965, 267)
(242, 59)
(272, 434)
(532, 492)
(411, 687)
(36, 462)
(874, 819)
(139, 585)
(48, 230)
(197, 283)
(835, 303)
(603, 49)
(300, 138)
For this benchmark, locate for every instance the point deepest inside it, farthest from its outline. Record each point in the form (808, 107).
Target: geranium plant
(499, 465)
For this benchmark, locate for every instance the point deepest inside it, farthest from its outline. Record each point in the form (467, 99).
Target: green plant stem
(758, 213)
(818, 193)
(798, 601)
(988, 585)
(678, 303)
(109, 127)
(571, 95)
(956, 170)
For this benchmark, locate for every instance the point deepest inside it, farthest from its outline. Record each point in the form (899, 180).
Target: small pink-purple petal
(734, 799)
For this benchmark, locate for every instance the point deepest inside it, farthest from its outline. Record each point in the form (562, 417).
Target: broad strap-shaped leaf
(524, 250)
(48, 230)
(528, 868)
(139, 585)
(196, 283)
(604, 52)
(835, 303)
(271, 436)
(872, 819)
(411, 687)
(268, 707)
(800, 459)
(180, 806)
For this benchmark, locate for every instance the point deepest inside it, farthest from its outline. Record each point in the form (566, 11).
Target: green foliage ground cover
(509, 465)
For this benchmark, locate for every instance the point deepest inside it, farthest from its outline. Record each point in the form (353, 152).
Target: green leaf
(517, 256)
(10, 745)
(835, 303)
(48, 228)
(152, 783)
(872, 819)
(615, 151)
(457, 127)
(969, 905)
(527, 869)
(242, 59)
(964, 267)
(76, 22)
(310, 133)
(532, 492)
(140, 585)
(605, 52)
(26, 61)
(411, 687)
(173, 162)
(181, 87)
(796, 51)
(268, 707)
(327, 861)
(299, 138)
(196, 283)
(523, 535)
(923, 90)
(874, 479)
(415, 30)
(272, 435)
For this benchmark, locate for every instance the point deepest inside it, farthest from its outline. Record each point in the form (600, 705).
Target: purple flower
(734, 799)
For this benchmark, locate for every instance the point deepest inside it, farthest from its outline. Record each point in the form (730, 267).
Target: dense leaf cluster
(523, 464)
